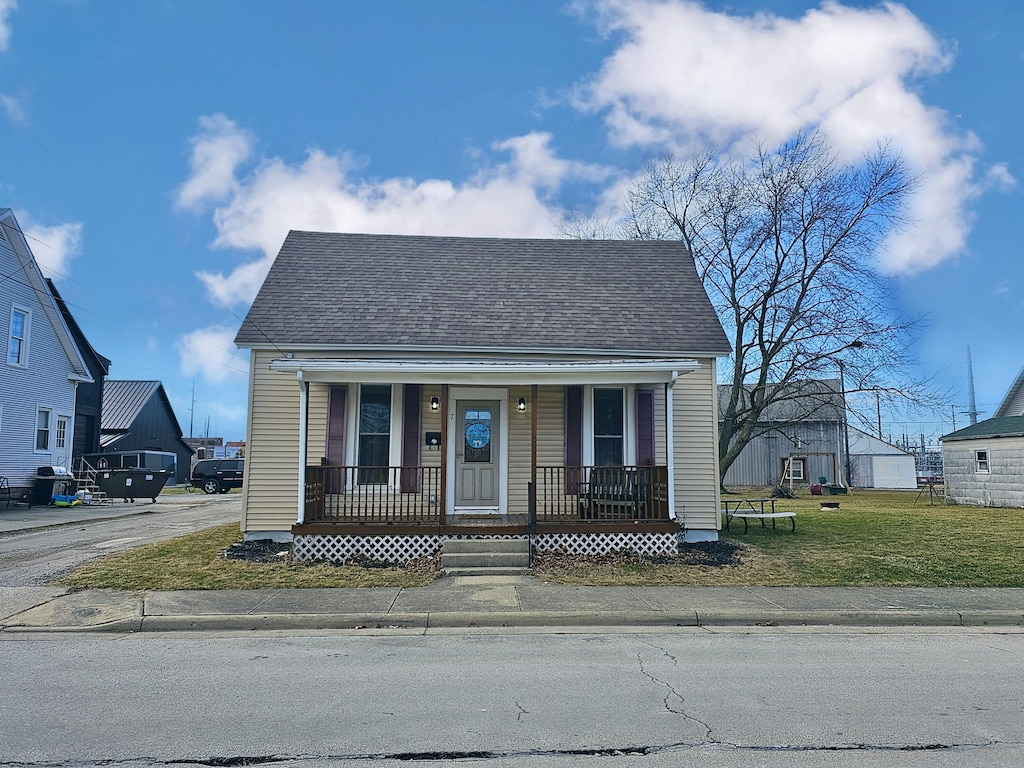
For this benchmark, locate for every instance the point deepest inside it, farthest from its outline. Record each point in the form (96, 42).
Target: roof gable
(14, 237)
(1013, 403)
(396, 291)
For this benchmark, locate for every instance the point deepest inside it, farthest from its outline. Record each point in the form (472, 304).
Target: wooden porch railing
(374, 495)
(412, 495)
(602, 493)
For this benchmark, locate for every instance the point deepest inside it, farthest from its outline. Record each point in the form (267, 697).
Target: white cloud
(210, 352)
(684, 75)
(14, 109)
(6, 7)
(257, 208)
(53, 247)
(217, 150)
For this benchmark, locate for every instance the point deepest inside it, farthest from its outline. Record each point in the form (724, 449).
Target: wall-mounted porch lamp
(521, 405)
(435, 403)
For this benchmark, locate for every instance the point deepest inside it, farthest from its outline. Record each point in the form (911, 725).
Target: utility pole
(878, 410)
(952, 412)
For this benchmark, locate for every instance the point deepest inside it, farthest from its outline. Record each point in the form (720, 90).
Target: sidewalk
(454, 602)
(520, 601)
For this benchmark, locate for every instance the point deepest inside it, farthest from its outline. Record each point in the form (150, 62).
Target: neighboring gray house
(984, 463)
(137, 416)
(807, 428)
(875, 463)
(41, 370)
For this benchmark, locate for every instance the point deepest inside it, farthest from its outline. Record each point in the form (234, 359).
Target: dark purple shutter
(573, 438)
(644, 427)
(337, 400)
(336, 408)
(411, 404)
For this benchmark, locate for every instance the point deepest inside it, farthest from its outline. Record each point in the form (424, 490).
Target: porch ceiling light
(521, 405)
(435, 403)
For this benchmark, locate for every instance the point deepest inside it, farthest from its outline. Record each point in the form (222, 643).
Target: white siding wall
(42, 383)
(695, 436)
(1002, 486)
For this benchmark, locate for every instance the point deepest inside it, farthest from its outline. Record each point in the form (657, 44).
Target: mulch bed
(716, 554)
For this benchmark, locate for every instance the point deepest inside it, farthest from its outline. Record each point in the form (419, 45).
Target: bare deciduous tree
(785, 245)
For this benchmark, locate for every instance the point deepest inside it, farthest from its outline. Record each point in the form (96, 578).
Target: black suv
(218, 475)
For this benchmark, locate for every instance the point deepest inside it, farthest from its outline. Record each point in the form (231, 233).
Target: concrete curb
(538, 619)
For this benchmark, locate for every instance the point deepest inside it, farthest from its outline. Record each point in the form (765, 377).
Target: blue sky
(158, 152)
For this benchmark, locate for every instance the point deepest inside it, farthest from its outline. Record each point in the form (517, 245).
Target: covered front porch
(487, 449)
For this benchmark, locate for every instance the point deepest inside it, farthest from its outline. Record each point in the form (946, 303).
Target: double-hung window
(796, 471)
(43, 416)
(981, 461)
(609, 428)
(374, 434)
(17, 342)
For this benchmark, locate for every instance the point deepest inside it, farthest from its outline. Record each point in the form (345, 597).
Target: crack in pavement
(672, 692)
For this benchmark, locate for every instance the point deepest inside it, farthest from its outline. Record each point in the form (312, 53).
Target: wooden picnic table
(758, 509)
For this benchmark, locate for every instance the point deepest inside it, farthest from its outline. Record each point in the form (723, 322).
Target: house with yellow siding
(407, 392)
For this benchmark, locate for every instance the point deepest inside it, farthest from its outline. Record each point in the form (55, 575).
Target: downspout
(670, 452)
(303, 418)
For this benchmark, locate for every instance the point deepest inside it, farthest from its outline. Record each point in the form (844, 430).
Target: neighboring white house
(41, 370)
(875, 463)
(984, 463)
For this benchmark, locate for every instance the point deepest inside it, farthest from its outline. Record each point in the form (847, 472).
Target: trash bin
(46, 478)
(130, 484)
(816, 489)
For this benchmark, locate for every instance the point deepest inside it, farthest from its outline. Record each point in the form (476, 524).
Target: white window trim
(352, 438)
(628, 428)
(790, 464)
(977, 462)
(25, 342)
(35, 431)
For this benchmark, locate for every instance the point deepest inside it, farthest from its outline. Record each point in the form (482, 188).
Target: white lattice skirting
(602, 543)
(402, 549)
(385, 549)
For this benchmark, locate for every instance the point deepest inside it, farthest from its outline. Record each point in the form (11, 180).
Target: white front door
(477, 455)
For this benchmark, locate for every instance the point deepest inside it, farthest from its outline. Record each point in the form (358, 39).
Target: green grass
(876, 538)
(194, 562)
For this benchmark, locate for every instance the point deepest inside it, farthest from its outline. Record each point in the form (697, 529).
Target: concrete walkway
(520, 601)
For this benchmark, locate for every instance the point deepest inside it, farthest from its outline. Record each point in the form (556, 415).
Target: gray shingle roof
(328, 290)
(1006, 426)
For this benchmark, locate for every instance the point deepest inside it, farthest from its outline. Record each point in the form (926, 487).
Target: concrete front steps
(486, 557)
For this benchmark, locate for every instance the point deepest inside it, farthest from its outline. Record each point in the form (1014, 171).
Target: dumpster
(130, 484)
(50, 480)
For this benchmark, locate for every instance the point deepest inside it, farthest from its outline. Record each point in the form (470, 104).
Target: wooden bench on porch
(613, 493)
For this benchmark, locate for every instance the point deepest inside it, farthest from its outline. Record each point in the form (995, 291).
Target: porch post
(532, 496)
(442, 501)
(303, 429)
(670, 450)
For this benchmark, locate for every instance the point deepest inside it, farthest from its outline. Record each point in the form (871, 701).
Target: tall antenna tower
(972, 409)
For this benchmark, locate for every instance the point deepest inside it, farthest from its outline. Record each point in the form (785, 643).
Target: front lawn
(876, 538)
